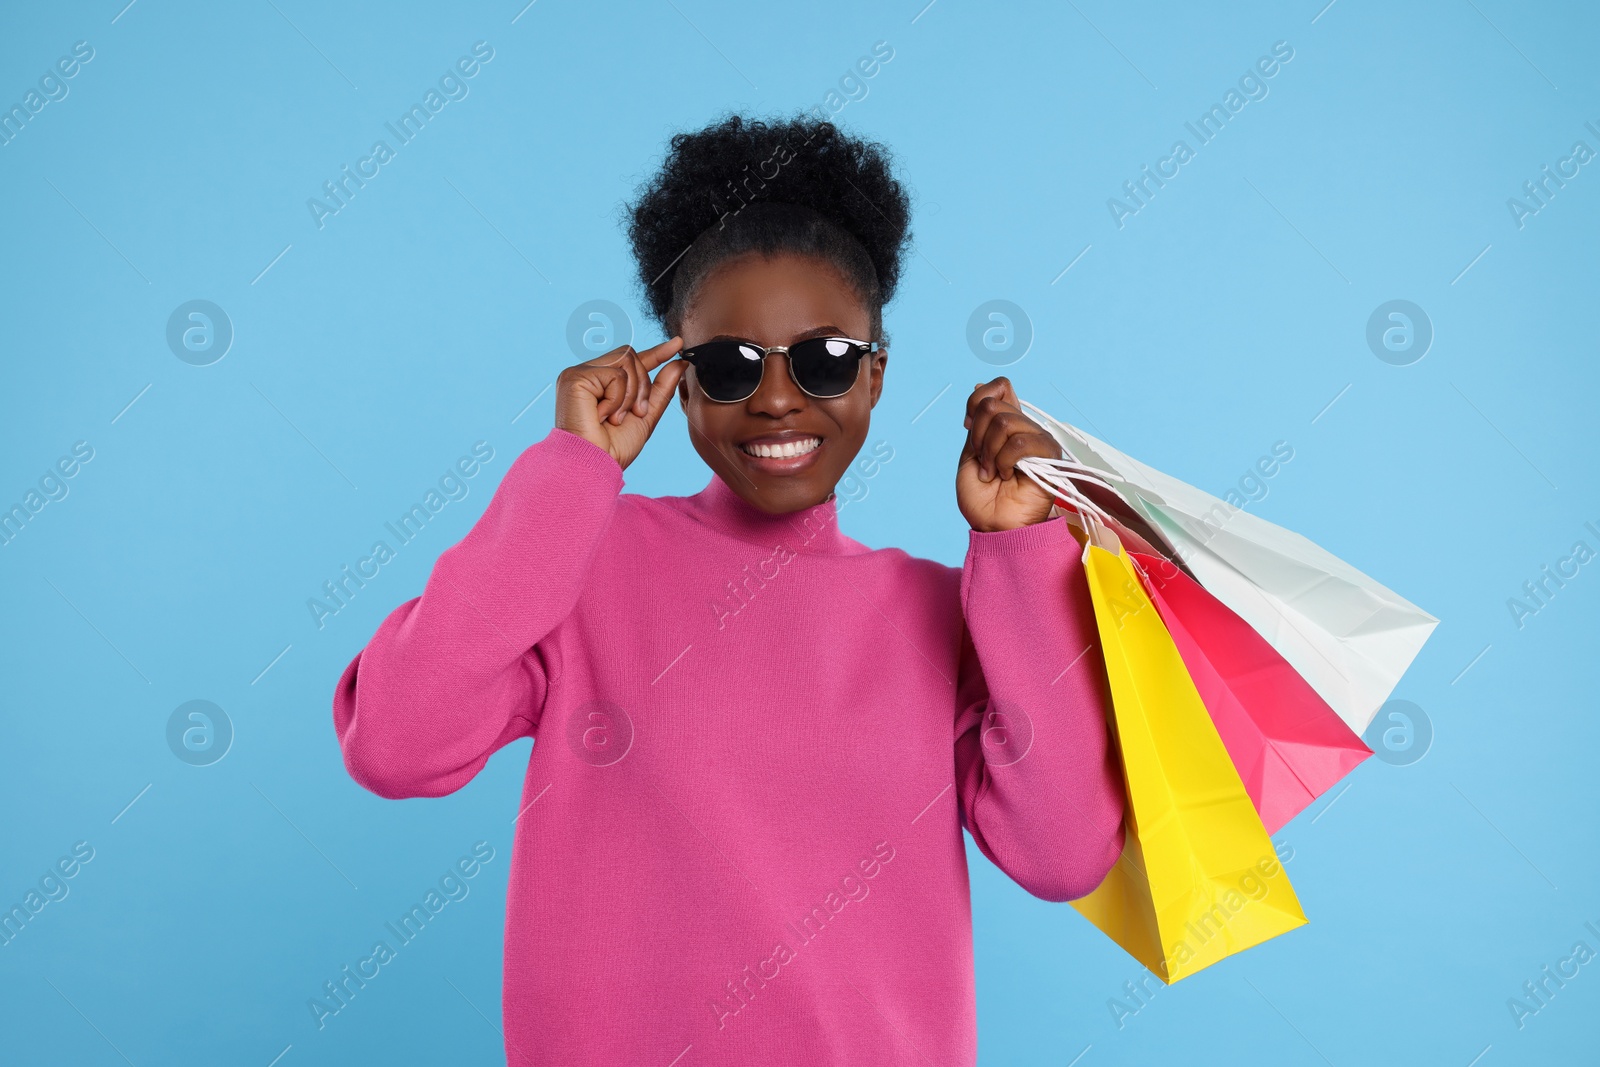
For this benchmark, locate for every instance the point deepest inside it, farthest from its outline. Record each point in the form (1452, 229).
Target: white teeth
(786, 450)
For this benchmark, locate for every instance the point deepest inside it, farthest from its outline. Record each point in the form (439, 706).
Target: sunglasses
(731, 371)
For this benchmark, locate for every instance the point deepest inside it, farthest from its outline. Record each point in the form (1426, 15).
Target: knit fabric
(756, 744)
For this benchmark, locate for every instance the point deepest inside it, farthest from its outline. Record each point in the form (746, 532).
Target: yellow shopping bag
(1198, 878)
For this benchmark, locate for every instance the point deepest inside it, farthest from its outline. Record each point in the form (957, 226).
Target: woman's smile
(785, 452)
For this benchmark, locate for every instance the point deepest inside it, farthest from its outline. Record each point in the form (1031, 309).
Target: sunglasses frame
(871, 348)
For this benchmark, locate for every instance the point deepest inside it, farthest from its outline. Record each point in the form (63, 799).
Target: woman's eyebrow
(805, 335)
(821, 331)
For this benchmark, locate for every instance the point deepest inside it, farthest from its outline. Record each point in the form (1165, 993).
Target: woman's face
(779, 300)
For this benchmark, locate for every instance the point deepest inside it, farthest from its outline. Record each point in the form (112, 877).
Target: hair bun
(710, 177)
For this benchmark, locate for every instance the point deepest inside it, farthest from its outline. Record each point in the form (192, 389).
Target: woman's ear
(880, 359)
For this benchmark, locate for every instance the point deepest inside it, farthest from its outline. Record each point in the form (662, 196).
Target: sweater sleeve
(459, 672)
(1041, 790)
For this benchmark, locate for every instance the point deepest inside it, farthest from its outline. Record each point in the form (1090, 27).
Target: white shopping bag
(1348, 636)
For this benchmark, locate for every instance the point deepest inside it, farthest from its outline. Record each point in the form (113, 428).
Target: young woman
(757, 742)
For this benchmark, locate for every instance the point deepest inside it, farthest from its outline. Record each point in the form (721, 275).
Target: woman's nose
(778, 394)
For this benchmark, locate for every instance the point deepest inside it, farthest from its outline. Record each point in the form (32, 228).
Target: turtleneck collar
(814, 530)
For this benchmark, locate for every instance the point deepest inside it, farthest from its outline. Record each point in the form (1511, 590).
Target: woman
(757, 741)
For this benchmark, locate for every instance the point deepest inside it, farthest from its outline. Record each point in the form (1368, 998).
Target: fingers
(986, 403)
(1019, 444)
(604, 379)
(628, 363)
(645, 399)
(612, 378)
(999, 434)
(998, 430)
(661, 390)
(638, 385)
(654, 357)
(641, 395)
(627, 386)
(1000, 389)
(599, 394)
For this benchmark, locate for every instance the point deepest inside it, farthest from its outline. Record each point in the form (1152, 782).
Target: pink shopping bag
(1287, 744)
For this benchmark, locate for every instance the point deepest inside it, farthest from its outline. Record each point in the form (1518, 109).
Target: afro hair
(745, 185)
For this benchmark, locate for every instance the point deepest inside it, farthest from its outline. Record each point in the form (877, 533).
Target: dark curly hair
(787, 185)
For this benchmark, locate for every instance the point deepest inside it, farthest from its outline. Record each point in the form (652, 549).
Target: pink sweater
(757, 743)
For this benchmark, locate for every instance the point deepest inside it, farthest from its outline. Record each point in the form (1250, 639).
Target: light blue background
(1223, 317)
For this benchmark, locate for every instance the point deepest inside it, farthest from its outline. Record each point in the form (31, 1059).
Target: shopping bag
(1346, 634)
(1198, 879)
(1130, 538)
(1074, 496)
(1285, 741)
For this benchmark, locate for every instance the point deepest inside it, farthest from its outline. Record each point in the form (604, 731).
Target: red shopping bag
(1287, 744)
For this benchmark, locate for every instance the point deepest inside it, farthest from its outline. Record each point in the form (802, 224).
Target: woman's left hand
(991, 492)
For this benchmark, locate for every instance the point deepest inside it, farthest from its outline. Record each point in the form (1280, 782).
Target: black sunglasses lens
(727, 370)
(826, 366)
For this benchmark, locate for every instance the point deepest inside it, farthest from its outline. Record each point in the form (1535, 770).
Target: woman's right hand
(611, 402)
